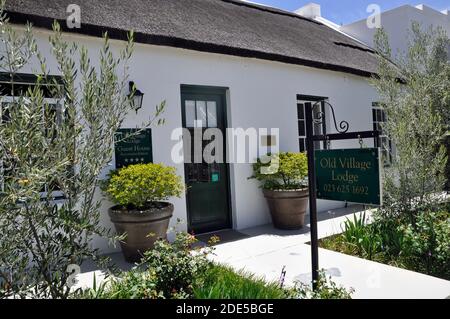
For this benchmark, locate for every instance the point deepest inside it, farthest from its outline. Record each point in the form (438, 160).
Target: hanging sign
(133, 149)
(351, 175)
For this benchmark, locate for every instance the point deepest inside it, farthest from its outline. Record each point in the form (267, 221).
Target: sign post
(312, 194)
(347, 175)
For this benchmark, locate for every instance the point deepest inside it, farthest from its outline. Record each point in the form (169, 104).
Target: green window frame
(379, 119)
(319, 128)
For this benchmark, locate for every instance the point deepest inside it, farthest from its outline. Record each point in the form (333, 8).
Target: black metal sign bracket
(310, 139)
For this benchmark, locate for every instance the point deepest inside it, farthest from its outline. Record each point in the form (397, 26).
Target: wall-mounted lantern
(138, 96)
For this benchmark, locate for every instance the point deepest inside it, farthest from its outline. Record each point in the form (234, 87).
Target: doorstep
(224, 236)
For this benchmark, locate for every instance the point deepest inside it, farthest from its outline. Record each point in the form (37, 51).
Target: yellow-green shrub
(137, 185)
(283, 171)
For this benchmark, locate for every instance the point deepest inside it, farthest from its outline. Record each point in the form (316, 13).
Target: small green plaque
(133, 149)
(351, 175)
(215, 177)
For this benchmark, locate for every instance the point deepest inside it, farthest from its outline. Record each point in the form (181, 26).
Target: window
(383, 141)
(319, 128)
(53, 112)
(201, 114)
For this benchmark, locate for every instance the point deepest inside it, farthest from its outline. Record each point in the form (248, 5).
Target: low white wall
(261, 94)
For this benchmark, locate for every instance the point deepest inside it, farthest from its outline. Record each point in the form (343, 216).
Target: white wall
(261, 94)
(397, 23)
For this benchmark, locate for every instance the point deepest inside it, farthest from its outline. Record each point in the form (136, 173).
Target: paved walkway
(269, 250)
(265, 250)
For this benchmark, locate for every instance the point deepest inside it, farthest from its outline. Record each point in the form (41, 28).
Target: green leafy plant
(391, 235)
(182, 270)
(222, 282)
(421, 247)
(283, 171)
(417, 110)
(133, 284)
(364, 240)
(178, 265)
(427, 244)
(137, 186)
(44, 152)
(213, 281)
(171, 270)
(97, 291)
(355, 228)
(326, 289)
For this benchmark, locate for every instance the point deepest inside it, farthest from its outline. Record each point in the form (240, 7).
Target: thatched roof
(220, 26)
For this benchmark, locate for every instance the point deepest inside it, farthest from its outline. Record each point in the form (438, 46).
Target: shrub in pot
(141, 212)
(283, 180)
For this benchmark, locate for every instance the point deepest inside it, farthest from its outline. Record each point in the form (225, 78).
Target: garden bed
(421, 247)
(179, 271)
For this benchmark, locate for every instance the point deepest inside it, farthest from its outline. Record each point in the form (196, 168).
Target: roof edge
(119, 34)
(270, 10)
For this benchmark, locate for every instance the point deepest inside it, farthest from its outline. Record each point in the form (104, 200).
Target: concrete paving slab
(370, 280)
(266, 238)
(269, 250)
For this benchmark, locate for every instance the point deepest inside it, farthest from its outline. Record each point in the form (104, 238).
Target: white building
(396, 22)
(254, 66)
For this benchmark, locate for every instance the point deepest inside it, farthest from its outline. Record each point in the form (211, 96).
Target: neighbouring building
(225, 64)
(396, 22)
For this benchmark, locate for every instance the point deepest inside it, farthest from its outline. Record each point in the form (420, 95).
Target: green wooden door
(207, 181)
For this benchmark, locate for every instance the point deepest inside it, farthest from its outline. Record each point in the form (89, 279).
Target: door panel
(208, 188)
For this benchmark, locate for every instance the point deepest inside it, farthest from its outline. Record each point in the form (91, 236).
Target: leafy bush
(380, 241)
(391, 236)
(326, 289)
(364, 240)
(177, 266)
(179, 271)
(221, 282)
(283, 171)
(168, 271)
(422, 246)
(136, 186)
(417, 111)
(60, 148)
(134, 284)
(427, 244)
(215, 281)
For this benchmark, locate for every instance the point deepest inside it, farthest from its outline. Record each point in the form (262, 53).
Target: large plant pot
(138, 225)
(287, 208)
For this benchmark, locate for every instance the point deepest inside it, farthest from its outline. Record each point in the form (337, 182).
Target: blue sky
(346, 11)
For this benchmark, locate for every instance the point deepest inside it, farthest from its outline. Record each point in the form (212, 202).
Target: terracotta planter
(138, 225)
(287, 208)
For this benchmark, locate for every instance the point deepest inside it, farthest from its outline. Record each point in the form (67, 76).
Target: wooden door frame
(210, 90)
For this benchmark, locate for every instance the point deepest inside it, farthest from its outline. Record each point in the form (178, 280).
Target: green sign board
(132, 147)
(351, 175)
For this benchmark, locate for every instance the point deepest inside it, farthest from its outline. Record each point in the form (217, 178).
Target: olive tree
(46, 150)
(415, 95)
